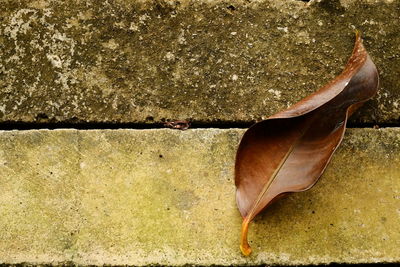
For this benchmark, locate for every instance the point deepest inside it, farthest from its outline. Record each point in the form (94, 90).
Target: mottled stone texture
(140, 197)
(208, 61)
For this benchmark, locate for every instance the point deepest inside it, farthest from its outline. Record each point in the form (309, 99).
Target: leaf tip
(358, 33)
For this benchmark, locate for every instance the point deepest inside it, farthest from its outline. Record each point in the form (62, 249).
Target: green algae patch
(208, 61)
(140, 197)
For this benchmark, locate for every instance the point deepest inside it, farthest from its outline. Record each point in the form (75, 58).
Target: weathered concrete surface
(141, 197)
(145, 61)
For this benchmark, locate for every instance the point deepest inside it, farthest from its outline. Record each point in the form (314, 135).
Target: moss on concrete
(145, 61)
(140, 197)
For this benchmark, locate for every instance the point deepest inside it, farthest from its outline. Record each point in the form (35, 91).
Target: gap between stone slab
(7, 126)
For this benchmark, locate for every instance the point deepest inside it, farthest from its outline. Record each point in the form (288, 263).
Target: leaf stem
(244, 245)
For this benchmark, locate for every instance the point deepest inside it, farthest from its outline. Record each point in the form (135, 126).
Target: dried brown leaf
(289, 151)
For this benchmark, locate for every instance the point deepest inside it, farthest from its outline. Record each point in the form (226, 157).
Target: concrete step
(167, 197)
(209, 61)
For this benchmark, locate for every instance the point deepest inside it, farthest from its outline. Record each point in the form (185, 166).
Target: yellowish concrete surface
(167, 197)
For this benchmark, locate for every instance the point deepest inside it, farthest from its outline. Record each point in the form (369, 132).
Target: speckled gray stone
(167, 197)
(208, 61)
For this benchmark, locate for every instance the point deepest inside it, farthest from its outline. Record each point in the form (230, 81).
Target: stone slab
(167, 197)
(202, 60)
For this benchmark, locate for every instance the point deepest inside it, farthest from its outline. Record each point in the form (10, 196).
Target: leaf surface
(289, 151)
